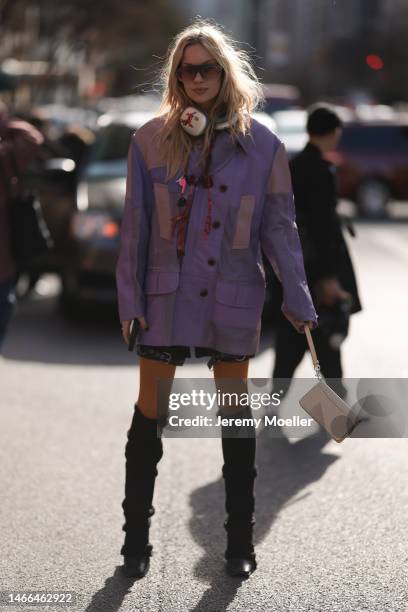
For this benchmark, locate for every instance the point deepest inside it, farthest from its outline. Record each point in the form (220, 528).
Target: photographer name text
(267, 421)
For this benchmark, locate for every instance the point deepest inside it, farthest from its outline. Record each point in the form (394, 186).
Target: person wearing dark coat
(20, 144)
(328, 265)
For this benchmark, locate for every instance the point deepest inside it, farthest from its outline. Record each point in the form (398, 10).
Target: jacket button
(216, 224)
(223, 187)
(203, 292)
(211, 261)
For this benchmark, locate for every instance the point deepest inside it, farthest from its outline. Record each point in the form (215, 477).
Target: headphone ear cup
(194, 121)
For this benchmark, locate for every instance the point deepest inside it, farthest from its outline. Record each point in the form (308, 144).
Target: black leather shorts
(176, 355)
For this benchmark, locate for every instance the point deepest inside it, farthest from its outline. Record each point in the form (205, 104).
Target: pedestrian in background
(20, 144)
(77, 139)
(329, 269)
(207, 185)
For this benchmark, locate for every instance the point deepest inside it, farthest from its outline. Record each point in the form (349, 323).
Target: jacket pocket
(238, 304)
(241, 295)
(163, 209)
(242, 232)
(160, 288)
(159, 282)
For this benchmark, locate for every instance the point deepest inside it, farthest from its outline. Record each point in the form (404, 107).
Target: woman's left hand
(299, 325)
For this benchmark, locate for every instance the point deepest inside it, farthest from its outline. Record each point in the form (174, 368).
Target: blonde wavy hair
(240, 92)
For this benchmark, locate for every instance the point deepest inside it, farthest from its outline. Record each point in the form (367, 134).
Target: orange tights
(151, 371)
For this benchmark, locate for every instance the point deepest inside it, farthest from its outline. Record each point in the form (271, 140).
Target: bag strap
(312, 349)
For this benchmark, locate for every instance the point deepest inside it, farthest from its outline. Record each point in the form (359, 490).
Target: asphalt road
(331, 518)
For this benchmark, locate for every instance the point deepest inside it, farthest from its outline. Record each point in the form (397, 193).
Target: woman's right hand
(126, 328)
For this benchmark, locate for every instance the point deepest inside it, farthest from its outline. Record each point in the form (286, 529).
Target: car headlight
(93, 225)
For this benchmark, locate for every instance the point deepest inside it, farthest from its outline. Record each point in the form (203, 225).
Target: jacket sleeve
(134, 237)
(280, 241)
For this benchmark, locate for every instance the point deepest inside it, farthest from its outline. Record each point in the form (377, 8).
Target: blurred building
(303, 28)
(45, 68)
(77, 52)
(290, 41)
(234, 16)
(289, 36)
(286, 30)
(314, 43)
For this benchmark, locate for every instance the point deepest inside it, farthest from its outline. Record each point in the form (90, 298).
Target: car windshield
(108, 155)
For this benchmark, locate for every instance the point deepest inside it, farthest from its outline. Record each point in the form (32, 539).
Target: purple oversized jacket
(213, 297)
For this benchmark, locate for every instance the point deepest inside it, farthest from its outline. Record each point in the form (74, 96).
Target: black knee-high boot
(239, 473)
(143, 451)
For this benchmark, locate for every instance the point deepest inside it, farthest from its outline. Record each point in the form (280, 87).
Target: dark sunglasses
(208, 72)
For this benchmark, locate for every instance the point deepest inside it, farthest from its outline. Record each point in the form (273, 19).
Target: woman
(207, 187)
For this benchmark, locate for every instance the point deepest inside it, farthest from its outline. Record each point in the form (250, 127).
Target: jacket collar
(312, 148)
(245, 142)
(223, 151)
(223, 124)
(225, 148)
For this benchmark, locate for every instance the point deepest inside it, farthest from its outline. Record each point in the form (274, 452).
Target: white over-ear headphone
(195, 121)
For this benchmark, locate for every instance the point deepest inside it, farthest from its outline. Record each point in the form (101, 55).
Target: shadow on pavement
(278, 483)
(110, 597)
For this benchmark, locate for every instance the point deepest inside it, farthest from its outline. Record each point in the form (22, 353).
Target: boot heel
(240, 554)
(240, 567)
(137, 566)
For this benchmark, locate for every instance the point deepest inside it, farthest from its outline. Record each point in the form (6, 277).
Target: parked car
(280, 96)
(372, 162)
(291, 129)
(89, 273)
(371, 158)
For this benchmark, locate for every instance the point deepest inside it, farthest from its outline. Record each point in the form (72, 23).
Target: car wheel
(372, 199)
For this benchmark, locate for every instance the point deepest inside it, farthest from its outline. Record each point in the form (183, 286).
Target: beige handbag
(325, 406)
